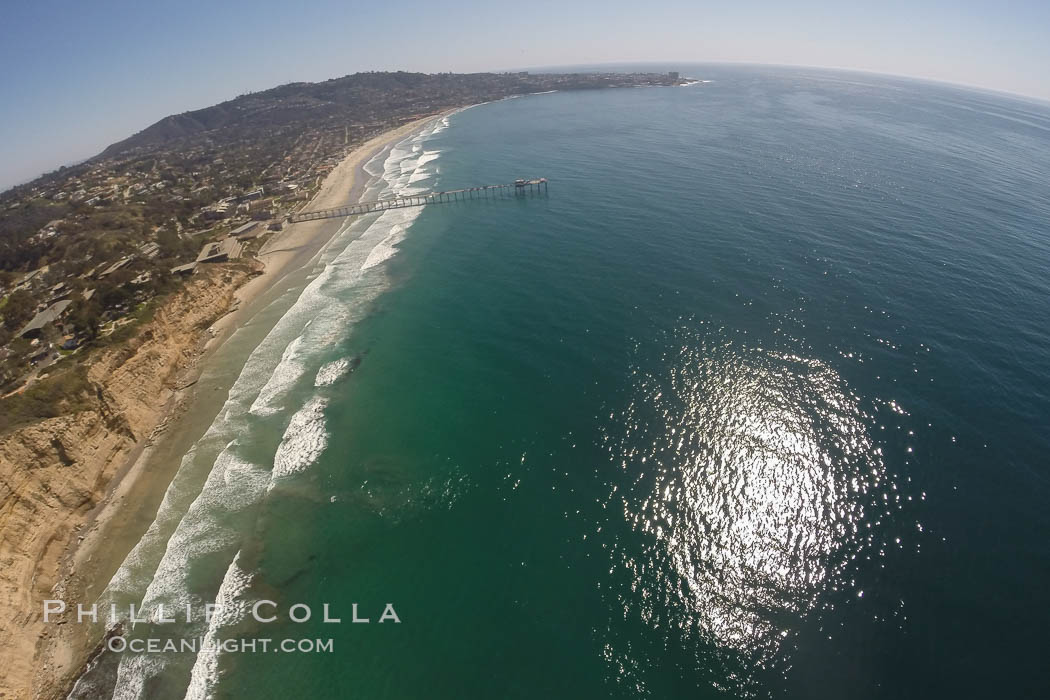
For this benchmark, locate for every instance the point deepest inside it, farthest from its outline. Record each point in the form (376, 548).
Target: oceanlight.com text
(196, 645)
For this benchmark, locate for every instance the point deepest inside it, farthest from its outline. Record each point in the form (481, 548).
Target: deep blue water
(753, 403)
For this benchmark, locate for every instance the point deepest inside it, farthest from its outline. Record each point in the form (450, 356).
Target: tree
(86, 318)
(18, 309)
(114, 291)
(172, 245)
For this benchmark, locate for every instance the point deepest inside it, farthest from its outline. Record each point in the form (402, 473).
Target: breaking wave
(303, 442)
(332, 372)
(232, 605)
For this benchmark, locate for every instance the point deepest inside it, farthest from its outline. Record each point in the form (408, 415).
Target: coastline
(298, 243)
(132, 496)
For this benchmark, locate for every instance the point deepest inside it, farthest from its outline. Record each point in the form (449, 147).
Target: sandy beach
(300, 242)
(111, 528)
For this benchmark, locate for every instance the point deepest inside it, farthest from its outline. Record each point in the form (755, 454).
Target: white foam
(427, 157)
(232, 485)
(231, 606)
(287, 372)
(332, 372)
(386, 248)
(419, 176)
(304, 440)
(134, 670)
(141, 564)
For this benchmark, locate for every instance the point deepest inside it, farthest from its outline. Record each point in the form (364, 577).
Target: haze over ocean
(753, 404)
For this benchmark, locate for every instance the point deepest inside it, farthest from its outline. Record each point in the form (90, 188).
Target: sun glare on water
(748, 474)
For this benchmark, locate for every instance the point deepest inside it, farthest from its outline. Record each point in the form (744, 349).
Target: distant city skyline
(78, 77)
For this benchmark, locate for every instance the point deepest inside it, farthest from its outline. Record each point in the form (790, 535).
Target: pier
(518, 188)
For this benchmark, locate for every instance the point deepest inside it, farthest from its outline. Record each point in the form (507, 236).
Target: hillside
(361, 98)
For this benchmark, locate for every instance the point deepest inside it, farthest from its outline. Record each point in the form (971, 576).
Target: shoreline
(298, 243)
(134, 493)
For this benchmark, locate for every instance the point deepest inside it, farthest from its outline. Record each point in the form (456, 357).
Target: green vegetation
(60, 394)
(18, 308)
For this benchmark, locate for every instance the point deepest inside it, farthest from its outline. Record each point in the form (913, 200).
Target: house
(220, 251)
(150, 250)
(50, 228)
(35, 328)
(187, 269)
(31, 278)
(59, 291)
(90, 274)
(219, 210)
(248, 196)
(246, 232)
(123, 262)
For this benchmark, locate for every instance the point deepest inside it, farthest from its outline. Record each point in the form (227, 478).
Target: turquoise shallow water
(753, 404)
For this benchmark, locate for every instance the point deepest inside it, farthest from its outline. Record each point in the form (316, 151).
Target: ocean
(752, 403)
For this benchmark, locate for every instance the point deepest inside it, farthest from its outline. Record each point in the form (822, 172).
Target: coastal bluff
(56, 473)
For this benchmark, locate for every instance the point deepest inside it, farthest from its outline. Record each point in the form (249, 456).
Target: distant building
(45, 318)
(187, 269)
(59, 291)
(219, 210)
(123, 262)
(32, 278)
(220, 251)
(150, 250)
(92, 272)
(51, 228)
(248, 231)
(249, 196)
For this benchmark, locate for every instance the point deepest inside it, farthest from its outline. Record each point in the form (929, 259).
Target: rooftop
(226, 249)
(45, 317)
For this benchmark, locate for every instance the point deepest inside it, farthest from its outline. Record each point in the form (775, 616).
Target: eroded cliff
(53, 473)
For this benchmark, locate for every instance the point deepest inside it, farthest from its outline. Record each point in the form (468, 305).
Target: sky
(78, 76)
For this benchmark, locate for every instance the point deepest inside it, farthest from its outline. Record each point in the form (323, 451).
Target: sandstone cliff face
(54, 472)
